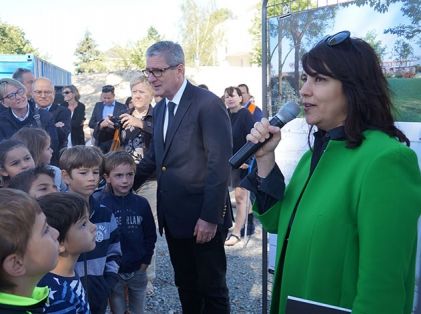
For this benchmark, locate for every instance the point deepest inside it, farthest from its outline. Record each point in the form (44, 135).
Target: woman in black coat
(71, 97)
(241, 123)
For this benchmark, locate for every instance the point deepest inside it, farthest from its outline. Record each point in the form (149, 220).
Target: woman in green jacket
(347, 221)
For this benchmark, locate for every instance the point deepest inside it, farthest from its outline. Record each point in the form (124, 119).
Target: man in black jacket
(191, 146)
(43, 94)
(104, 119)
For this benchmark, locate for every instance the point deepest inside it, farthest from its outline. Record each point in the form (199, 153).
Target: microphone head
(288, 112)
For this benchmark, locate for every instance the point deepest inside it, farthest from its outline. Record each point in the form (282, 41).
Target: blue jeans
(136, 284)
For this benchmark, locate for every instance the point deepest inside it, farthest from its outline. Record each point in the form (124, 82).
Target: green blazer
(354, 236)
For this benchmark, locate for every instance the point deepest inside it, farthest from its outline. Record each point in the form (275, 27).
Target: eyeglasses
(157, 72)
(43, 92)
(334, 40)
(12, 96)
(66, 92)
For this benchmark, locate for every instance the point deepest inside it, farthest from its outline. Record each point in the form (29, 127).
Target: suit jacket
(96, 117)
(104, 137)
(76, 124)
(61, 114)
(192, 166)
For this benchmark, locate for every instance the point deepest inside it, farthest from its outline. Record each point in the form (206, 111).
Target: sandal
(232, 240)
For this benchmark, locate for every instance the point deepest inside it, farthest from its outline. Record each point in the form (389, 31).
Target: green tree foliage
(409, 8)
(290, 32)
(118, 58)
(13, 41)
(307, 26)
(201, 31)
(275, 8)
(89, 58)
(137, 54)
(379, 48)
(402, 50)
(255, 31)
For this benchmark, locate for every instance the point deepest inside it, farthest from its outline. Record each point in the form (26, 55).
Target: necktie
(171, 107)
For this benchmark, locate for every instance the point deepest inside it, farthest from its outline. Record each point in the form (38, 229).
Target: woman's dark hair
(128, 101)
(74, 91)
(355, 63)
(230, 91)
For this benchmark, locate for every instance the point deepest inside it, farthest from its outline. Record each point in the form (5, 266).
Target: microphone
(288, 112)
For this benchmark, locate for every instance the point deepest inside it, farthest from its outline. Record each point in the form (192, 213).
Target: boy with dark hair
(26, 256)
(137, 231)
(69, 214)
(36, 182)
(81, 167)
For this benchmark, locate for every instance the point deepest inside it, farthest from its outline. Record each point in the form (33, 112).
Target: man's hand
(204, 231)
(106, 123)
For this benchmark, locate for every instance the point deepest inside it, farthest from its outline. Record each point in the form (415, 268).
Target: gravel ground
(243, 276)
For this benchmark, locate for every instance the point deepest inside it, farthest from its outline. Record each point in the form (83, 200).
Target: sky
(55, 27)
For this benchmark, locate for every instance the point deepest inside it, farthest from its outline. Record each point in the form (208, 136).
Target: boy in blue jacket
(81, 167)
(137, 231)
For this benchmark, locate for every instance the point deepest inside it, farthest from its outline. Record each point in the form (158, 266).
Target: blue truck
(38, 66)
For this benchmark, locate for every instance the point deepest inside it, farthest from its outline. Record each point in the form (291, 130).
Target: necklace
(138, 115)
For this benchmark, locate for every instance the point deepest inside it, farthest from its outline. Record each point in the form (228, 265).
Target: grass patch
(406, 96)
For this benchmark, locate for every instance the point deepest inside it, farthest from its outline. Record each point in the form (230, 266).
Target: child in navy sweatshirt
(136, 227)
(81, 167)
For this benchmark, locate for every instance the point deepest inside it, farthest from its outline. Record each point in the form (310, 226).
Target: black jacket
(76, 124)
(60, 114)
(104, 138)
(192, 167)
(9, 125)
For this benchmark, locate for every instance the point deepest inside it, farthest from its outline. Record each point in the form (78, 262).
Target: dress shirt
(176, 99)
(43, 108)
(108, 110)
(22, 118)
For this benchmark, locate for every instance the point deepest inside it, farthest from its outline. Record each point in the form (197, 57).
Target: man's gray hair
(45, 79)
(18, 75)
(8, 81)
(171, 51)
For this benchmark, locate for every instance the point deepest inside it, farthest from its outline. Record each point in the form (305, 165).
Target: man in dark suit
(43, 94)
(190, 154)
(105, 118)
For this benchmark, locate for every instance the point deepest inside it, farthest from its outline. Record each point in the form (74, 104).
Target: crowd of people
(346, 223)
(104, 232)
